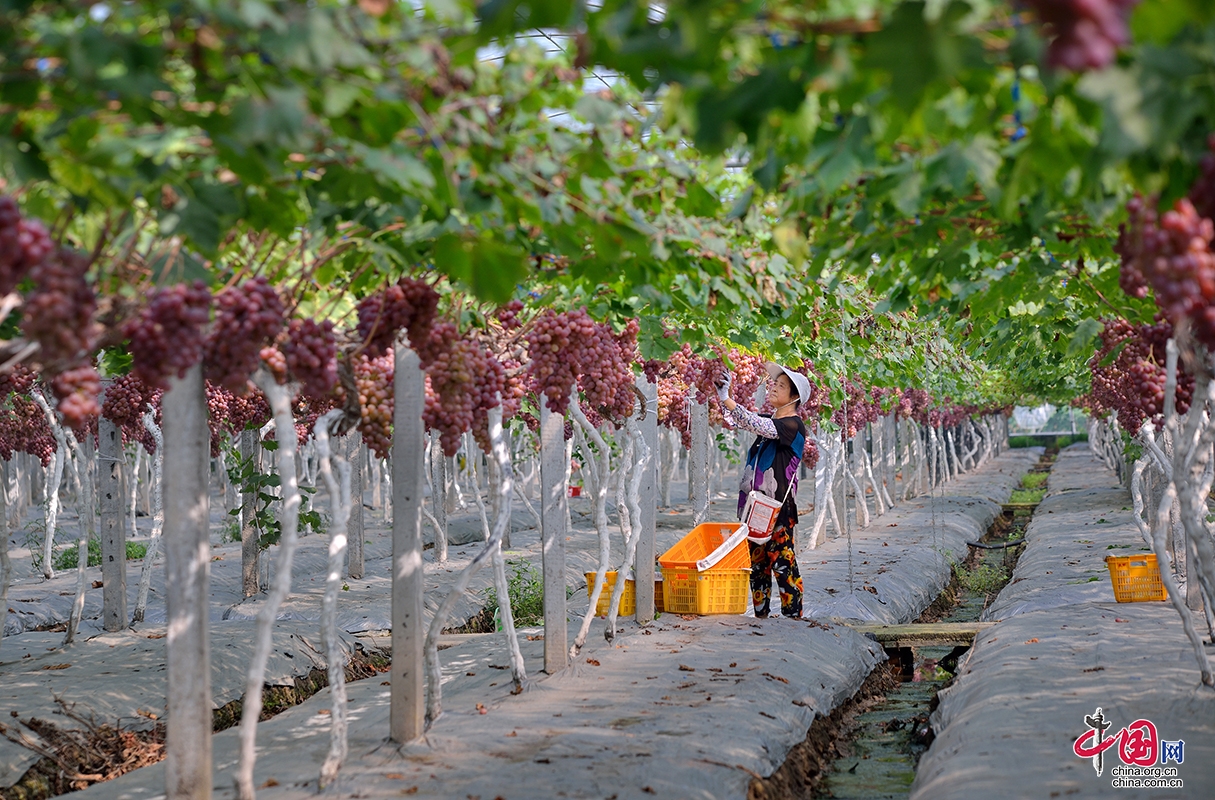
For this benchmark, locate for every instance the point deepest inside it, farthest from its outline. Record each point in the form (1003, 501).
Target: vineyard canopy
(916, 171)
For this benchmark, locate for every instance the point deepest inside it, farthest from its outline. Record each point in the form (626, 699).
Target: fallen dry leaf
(482, 709)
(156, 635)
(98, 584)
(513, 733)
(1119, 619)
(395, 776)
(323, 711)
(774, 677)
(57, 666)
(269, 782)
(147, 714)
(686, 668)
(593, 662)
(1032, 641)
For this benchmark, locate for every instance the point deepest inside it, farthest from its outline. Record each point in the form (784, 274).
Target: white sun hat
(800, 382)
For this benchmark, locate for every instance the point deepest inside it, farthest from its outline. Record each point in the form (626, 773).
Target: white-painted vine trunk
(631, 520)
(279, 399)
(54, 477)
(491, 551)
(599, 470)
(87, 516)
(158, 516)
(340, 501)
(110, 460)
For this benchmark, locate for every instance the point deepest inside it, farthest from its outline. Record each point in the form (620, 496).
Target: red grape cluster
(606, 376)
(126, 400)
(373, 378)
(1202, 193)
(1085, 34)
(557, 350)
(59, 310)
(17, 380)
(24, 429)
(463, 382)
(250, 409)
(23, 243)
(77, 390)
(1174, 258)
(859, 408)
(275, 363)
(166, 339)
(409, 304)
(311, 355)
(508, 315)
(1132, 384)
(250, 316)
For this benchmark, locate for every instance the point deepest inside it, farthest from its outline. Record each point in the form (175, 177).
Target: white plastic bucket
(759, 514)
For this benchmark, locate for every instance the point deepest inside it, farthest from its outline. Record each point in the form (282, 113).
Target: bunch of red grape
(127, 399)
(508, 315)
(410, 305)
(1132, 384)
(606, 377)
(59, 310)
(17, 380)
(463, 382)
(558, 347)
(1173, 257)
(1085, 34)
(244, 411)
(24, 429)
(249, 318)
(23, 244)
(1202, 192)
(858, 409)
(311, 355)
(166, 338)
(373, 378)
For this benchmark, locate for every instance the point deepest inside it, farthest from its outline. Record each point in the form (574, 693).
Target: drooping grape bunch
(410, 305)
(556, 344)
(1173, 257)
(508, 315)
(463, 382)
(310, 352)
(77, 390)
(1202, 192)
(373, 378)
(166, 338)
(23, 244)
(1132, 384)
(249, 317)
(17, 380)
(127, 399)
(1085, 34)
(24, 429)
(59, 310)
(606, 374)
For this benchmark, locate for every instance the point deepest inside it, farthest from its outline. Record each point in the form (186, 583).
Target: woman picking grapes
(771, 469)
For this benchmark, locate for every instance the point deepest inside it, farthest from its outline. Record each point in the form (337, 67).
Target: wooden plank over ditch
(924, 635)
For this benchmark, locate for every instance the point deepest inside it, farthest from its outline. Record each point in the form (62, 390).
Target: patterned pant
(776, 557)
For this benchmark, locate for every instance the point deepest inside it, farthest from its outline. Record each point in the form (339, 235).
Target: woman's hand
(723, 388)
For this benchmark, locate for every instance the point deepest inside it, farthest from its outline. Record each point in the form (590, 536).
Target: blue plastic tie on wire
(1020, 132)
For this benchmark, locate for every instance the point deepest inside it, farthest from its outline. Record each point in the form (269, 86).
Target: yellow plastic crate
(702, 543)
(714, 591)
(1136, 578)
(628, 600)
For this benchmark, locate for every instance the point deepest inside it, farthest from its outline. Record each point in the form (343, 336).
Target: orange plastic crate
(714, 591)
(702, 541)
(628, 600)
(1136, 578)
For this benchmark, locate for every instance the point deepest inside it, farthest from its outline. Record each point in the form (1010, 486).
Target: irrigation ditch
(870, 745)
